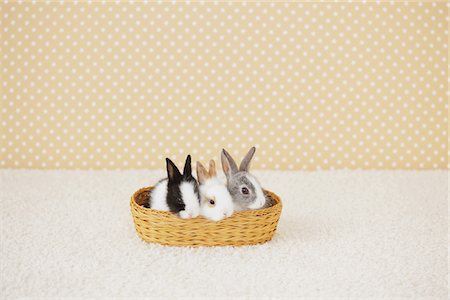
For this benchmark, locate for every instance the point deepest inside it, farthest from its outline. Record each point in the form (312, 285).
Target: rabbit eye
(211, 202)
(244, 190)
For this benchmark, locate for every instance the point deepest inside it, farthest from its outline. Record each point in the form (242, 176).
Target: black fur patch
(174, 197)
(174, 200)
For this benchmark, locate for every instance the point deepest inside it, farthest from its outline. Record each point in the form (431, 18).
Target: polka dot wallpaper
(102, 85)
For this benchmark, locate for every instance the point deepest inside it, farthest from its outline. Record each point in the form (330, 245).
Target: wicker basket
(242, 228)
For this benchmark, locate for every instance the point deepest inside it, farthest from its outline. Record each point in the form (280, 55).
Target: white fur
(158, 196)
(260, 199)
(190, 199)
(237, 207)
(223, 208)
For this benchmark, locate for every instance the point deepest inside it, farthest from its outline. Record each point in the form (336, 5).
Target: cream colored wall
(313, 86)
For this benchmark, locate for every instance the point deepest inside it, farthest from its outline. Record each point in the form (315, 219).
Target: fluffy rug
(342, 234)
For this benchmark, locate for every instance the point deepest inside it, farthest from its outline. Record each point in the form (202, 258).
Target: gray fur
(245, 164)
(228, 164)
(235, 184)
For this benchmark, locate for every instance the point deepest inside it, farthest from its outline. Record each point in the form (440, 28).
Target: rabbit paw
(184, 214)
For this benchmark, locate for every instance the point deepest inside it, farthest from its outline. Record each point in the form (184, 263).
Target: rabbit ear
(212, 168)
(228, 164)
(245, 164)
(172, 171)
(187, 166)
(202, 174)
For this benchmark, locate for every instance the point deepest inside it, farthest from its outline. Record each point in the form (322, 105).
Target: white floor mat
(351, 234)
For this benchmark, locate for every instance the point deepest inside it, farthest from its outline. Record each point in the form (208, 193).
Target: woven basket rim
(274, 197)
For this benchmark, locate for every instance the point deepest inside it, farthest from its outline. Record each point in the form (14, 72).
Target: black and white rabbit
(178, 193)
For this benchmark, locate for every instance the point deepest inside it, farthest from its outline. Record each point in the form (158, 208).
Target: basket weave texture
(242, 228)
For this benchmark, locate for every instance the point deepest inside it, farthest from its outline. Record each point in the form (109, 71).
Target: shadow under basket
(242, 228)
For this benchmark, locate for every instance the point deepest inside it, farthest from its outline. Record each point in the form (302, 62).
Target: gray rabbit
(244, 188)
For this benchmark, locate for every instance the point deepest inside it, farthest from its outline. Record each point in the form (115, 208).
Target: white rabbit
(215, 200)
